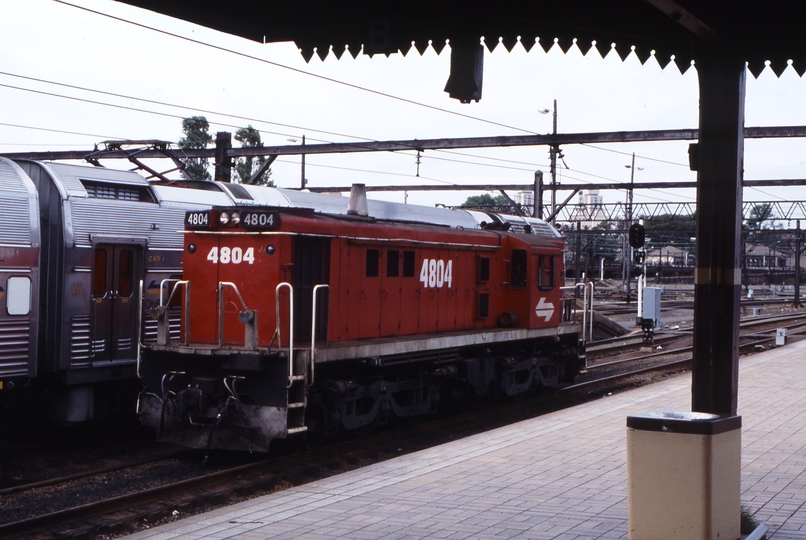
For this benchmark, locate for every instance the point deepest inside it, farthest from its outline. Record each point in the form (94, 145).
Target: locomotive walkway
(560, 476)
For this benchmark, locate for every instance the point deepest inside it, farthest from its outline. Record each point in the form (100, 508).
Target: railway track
(631, 342)
(144, 507)
(158, 455)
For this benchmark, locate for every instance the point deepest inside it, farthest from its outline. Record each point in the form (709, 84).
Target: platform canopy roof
(673, 30)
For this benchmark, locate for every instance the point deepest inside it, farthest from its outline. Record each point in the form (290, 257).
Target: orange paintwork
(362, 307)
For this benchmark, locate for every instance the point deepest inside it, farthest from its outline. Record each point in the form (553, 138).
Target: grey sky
(56, 42)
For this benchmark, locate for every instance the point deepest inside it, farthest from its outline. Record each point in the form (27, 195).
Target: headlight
(236, 218)
(223, 218)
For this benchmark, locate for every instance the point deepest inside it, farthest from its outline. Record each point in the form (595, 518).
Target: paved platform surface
(560, 476)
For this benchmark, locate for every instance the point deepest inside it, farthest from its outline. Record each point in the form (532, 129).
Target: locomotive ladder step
(293, 430)
(296, 377)
(298, 405)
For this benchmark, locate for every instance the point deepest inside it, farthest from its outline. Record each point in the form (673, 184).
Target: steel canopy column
(717, 282)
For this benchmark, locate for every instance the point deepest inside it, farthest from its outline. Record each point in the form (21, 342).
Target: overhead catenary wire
(51, 130)
(178, 36)
(263, 121)
(218, 113)
(136, 109)
(296, 70)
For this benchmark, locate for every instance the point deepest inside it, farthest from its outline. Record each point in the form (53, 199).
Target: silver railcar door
(116, 271)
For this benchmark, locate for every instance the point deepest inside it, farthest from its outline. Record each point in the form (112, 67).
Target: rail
(316, 289)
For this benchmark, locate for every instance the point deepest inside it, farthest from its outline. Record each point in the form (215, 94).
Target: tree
(759, 213)
(665, 229)
(246, 167)
(196, 130)
(499, 203)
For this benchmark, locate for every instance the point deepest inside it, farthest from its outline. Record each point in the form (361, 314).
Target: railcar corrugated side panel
(19, 274)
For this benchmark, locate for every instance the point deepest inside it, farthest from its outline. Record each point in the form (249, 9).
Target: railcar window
(392, 263)
(18, 295)
(517, 269)
(546, 272)
(484, 305)
(126, 272)
(484, 269)
(408, 264)
(373, 262)
(99, 273)
(100, 190)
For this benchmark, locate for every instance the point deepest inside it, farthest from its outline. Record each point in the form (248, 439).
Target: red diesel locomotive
(295, 321)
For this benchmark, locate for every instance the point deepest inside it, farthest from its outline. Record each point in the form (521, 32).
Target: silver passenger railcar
(78, 241)
(19, 275)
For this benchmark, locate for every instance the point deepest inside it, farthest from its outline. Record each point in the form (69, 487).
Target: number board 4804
(260, 220)
(197, 219)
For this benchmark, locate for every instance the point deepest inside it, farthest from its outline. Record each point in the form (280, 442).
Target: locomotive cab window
(373, 262)
(392, 263)
(546, 271)
(517, 269)
(484, 305)
(484, 269)
(408, 263)
(18, 295)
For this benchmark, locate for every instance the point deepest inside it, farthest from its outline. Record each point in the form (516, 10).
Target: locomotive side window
(408, 264)
(484, 269)
(484, 305)
(546, 272)
(392, 263)
(373, 262)
(99, 276)
(517, 269)
(126, 273)
(18, 295)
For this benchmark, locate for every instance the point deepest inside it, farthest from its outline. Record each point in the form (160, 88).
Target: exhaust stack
(357, 205)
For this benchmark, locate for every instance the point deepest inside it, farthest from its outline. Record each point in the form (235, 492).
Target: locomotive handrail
(249, 318)
(586, 308)
(164, 324)
(316, 289)
(290, 325)
(590, 321)
(139, 333)
(587, 333)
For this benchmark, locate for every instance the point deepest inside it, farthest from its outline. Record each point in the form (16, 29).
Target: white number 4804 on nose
(227, 255)
(436, 273)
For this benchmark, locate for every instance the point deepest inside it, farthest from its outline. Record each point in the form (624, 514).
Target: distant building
(761, 256)
(525, 198)
(669, 256)
(589, 211)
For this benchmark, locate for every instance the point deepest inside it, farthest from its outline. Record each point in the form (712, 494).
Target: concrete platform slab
(561, 476)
